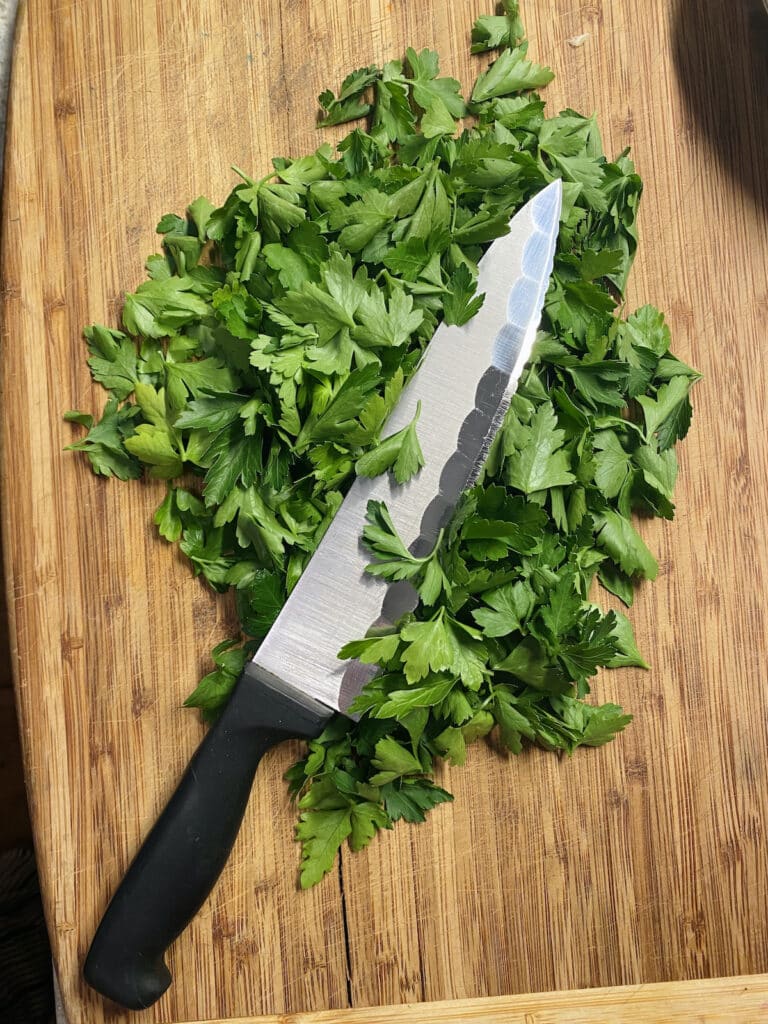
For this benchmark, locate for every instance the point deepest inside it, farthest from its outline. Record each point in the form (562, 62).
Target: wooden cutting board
(645, 861)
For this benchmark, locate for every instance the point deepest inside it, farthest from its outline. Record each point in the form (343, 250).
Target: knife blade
(295, 681)
(464, 384)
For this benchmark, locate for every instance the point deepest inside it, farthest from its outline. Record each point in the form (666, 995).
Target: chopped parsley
(260, 360)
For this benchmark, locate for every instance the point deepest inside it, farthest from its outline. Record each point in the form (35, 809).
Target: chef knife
(296, 682)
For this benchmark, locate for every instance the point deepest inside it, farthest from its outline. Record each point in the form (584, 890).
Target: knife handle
(184, 854)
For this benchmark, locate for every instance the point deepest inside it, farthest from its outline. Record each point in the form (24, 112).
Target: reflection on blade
(465, 382)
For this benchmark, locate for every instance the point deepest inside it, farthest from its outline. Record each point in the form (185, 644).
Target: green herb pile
(259, 363)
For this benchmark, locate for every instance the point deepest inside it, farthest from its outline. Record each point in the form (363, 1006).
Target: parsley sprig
(275, 333)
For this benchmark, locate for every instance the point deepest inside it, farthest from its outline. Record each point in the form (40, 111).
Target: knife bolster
(267, 702)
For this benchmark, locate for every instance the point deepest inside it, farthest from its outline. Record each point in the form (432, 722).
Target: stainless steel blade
(465, 382)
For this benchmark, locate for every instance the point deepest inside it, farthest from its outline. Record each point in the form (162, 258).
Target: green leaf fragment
(618, 537)
(105, 442)
(400, 452)
(668, 415)
(439, 98)
(510, 73)
(461, 303)
(349, 104)
(493, 31)
(537, 461)
(412, 798)
(321, 833)
(508, 608)
(113, 361)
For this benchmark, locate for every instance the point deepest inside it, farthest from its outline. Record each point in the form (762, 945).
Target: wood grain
(715, 1001)
(642, 862)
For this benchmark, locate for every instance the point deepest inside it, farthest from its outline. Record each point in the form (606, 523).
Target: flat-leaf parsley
(275, 334)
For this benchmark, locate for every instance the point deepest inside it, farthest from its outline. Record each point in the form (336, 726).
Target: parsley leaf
(535, 458)
(508, 608)
(492, 31)
(158, 309)
(443, 644)
(511, 73)
(625, 545)
(105, 442)
(321, 832)
(668, 415)
(439, 98)
(213, 690)
(461, 303)
(113, 360)
(612, 463)
(412, 798)
(393, 559)
(348, 105)
(400, 452)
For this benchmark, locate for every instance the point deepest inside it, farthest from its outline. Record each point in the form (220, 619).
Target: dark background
(14, 818)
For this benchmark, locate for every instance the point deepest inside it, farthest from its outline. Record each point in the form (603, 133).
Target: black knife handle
(184, 854)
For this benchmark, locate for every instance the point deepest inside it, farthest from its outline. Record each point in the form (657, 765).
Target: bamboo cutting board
(642, 862)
